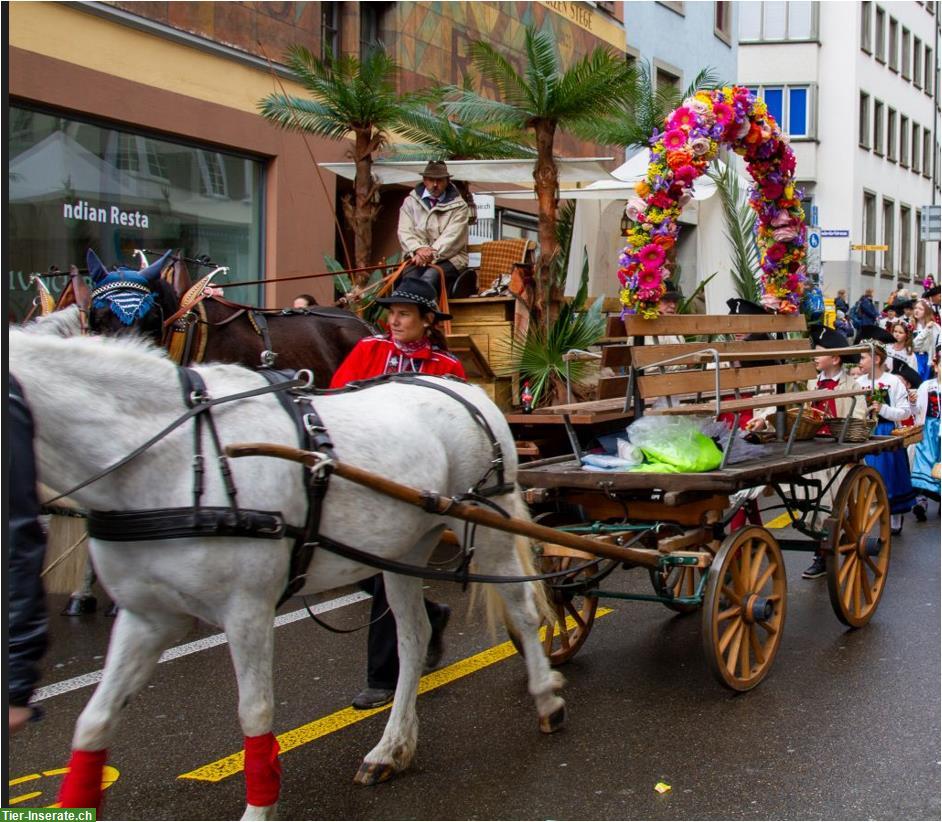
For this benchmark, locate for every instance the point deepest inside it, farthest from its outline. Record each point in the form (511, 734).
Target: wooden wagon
(702, 365)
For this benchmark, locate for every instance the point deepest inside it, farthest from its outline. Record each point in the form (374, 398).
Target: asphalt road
(846, 726)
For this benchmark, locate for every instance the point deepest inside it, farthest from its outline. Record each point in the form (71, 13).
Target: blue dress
(922, 365)
(926, 453)
(893, 466)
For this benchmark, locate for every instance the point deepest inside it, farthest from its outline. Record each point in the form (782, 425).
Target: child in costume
(925, 337)
(888, 399)
(926, 453)
(902, 346)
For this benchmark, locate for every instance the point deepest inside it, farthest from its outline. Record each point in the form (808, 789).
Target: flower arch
(692, 136)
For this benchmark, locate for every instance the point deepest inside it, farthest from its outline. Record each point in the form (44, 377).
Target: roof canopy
(505, 172)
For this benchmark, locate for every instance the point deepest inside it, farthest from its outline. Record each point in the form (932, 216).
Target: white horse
(119, 393)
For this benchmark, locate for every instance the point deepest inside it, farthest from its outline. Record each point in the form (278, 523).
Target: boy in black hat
(433, 227)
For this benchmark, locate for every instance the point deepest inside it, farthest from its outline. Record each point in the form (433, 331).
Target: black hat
(737, 305)
(899, 305)
(932, 292)
(901, 369)
(436, 170)
(824, 337)
(874, 332)
(417, 291)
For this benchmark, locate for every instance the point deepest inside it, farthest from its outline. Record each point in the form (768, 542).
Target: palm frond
(707, 78)
(497, 69)
(740, 222)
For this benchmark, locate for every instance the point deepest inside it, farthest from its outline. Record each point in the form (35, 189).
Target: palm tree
(633, 118)
(740, 230)
(544, 99)
(347, 95)
(436, 136)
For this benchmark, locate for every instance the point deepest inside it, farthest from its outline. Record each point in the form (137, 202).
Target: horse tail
(495, 608)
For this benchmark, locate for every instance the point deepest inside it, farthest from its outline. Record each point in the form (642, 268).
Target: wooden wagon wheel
(677, 581)
(859, 548)
(744, 608)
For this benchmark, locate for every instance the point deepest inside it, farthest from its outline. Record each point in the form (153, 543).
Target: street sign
(813, 252)
(870, 247)
(930, 223)
(835, 232)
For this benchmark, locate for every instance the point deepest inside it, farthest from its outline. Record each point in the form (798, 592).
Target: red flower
(686, 174)
(772, 191)
(660, 200)
(776, 252)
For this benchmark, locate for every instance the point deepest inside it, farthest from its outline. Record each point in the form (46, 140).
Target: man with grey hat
(433, 227)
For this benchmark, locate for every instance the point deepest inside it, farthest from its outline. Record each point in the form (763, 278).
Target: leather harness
(296, 398)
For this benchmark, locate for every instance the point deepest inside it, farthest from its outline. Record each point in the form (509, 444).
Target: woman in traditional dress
(926, 453)
(925, 337)
(414, 345)
(888, 399)
(902, 346)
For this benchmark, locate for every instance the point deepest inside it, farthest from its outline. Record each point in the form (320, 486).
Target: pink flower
(724, 113)
(700, 146)
(771, 301)
(674, 139)
(783, 218)
(776, 252)
(682, 117)
(635, 208)
(649, 280)
(651, 256)
(784, 234)
(686, 174)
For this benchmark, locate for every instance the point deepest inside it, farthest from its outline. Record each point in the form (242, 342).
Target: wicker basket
(858, 430)
(912, 434)
(811, 421)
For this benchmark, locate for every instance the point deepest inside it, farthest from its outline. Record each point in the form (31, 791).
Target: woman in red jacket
(413, 345)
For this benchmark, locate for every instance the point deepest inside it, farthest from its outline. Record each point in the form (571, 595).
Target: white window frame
(813, 38)
(210, 176)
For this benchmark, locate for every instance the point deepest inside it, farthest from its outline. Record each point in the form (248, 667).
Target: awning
(512, 172)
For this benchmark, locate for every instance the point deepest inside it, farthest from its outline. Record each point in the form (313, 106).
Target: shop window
(75, 184)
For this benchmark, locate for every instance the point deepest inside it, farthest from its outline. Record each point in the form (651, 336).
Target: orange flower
(676, 159)
(642, 189)
(663, 241)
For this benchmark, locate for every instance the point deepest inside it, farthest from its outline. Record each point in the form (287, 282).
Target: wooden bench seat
(759, 401)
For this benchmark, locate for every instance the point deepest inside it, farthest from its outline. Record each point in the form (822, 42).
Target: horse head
(129, 300)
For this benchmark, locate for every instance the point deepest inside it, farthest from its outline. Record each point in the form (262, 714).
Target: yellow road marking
(109, 776)
(781, 521)
(23, 797)
(233, 764)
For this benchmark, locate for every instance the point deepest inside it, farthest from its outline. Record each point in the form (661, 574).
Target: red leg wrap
(262, 770)
(82, 785)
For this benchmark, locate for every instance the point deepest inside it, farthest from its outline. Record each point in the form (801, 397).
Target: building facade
(135, 125)
(855, 85)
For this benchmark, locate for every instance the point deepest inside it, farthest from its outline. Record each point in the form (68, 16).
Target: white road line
(93, 678)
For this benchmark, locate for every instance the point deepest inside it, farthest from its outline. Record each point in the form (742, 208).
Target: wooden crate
(493, 340)
(482, 309)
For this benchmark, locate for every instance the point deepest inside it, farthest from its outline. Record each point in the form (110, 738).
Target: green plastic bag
(676, 441)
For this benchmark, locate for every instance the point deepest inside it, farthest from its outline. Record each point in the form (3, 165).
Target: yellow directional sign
(870, 247)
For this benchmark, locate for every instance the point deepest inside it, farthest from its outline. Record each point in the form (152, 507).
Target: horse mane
(62, 323)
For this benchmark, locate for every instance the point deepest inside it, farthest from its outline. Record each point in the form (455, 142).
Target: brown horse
(199, 326)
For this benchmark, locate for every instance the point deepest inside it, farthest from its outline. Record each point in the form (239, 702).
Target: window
(906, 56)
(920, 249)
(894, 45)
(870, 231)
(864, 120)
(722, 23)
(676, 6)
(917, 62)
(373, 24)
(904, 142)
(330, 29)
(795, 20)
(887, 269)
(891, 135)
(905, 241)
(75, 184)
(866, 24)
(926, 153)
(665, 78)
(877, 127)
(929, 71)
(916, 148)
(791, 106)
(879, 46)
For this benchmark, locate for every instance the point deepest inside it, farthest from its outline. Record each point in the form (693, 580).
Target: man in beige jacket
(433, 227)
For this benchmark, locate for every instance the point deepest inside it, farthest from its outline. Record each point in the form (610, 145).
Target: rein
(204, 404)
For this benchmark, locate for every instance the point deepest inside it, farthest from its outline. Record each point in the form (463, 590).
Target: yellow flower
(642, 189)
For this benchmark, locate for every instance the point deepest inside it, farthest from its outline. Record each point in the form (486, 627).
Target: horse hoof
(372, 773)
(80, 605)
(554, 722)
